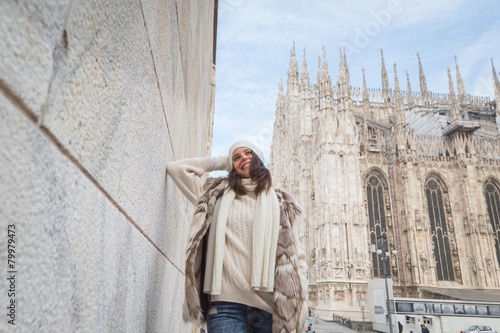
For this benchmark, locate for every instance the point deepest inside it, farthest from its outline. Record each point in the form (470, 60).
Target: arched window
(376, 214)
(439, 229)
(492, 195)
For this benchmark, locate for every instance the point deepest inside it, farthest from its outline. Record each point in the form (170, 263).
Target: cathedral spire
(341, 63)
(281, 96)
(280, 103)
(366, 100)
(366, 107)
(324, 85)
(410, 99)
(396, 80)
(345, 62)
(497, 88)
(327, 83)
(319, 69)
(495, 77)
(365, 90)
(292, 83)
(305, 83)
(400, 109)
(319, 86)
(344, 126)
(343, 81)
(325, 64)
(385, 80)
(423, 83)
(454, 112)
(460, 84)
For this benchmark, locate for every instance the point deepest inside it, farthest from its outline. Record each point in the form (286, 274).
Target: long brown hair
(259, 174)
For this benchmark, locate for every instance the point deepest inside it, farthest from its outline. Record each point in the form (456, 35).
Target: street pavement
(331, 327)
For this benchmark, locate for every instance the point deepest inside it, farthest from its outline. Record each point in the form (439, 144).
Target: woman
(243, 252)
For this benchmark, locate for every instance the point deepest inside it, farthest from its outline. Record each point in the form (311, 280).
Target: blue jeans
(229, 317)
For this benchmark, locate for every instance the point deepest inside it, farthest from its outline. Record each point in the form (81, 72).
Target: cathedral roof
(482, 295)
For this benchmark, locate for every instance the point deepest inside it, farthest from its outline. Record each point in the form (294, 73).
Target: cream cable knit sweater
(189, 175)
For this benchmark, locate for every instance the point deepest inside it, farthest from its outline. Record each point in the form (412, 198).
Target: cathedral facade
(418, 172)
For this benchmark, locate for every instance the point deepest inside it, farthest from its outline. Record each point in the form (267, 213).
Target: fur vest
(289, 296)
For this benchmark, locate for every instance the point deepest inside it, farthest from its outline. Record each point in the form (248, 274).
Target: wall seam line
(156, 75)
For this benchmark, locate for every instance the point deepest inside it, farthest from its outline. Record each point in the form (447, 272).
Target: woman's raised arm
(190, 174)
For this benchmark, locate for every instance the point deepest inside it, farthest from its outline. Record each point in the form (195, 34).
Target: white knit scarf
(264, 240)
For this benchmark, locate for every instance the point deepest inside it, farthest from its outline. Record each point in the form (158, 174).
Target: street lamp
(362, 303)
(382, 251)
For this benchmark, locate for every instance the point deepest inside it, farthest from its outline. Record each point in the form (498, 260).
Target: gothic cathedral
(419, 168)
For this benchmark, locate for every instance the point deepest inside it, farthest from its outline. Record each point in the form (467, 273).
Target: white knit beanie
(247, 144)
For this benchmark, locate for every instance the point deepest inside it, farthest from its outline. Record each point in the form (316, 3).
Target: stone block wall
(95, 98)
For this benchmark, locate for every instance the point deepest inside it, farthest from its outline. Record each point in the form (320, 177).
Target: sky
(255, 37)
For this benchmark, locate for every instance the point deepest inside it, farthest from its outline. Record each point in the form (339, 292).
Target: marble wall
(95, 99)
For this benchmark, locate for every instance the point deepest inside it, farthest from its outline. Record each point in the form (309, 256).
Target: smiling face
(241, 161)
